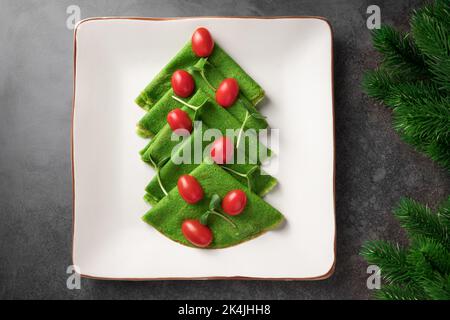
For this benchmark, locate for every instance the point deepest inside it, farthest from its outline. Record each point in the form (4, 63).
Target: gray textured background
(374, 168)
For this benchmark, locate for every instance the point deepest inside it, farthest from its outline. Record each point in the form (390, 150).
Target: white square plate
(115, 58)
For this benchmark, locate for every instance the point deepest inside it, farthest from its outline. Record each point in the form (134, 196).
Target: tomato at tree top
(227, 92)
(179, 119)
(222, 150)
(182, 83)
(189, 188)
(196, 233)
(202, 43)
(234, 202)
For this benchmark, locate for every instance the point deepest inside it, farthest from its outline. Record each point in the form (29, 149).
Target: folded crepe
(212, 116)
(261, 183)
(258, 216)
(185, 59)
(162, 146)
(250, 175)
(155, 119)
(162, 152)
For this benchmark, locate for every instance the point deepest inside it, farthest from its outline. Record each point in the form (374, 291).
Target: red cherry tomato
(182, 83)
(178, 119)
(227, 92)
(202, 42)
(196, 233)
(222, 150)
(234, 202)
(189, 188)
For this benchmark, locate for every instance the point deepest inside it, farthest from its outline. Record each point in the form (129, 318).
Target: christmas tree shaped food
(211, 202)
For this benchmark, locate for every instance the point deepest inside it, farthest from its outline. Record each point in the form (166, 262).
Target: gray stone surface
(374, 167)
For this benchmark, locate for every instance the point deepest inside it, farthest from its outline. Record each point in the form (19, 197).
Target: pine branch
(391, 259)
(414, 80)
(431, 31)
(421, 271)
(396, 292)
(439, 9)
(437, 288)
(421, 110)
(431, 261)
(400, 53)
(420, 98)
(443, 213)
(416, 94)
(424, 119)
(439, 152)
(419, 221)
(394, 91)
(378, 85)
(436, 255)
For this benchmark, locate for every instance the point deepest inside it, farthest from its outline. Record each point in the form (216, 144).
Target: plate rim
(325, 276)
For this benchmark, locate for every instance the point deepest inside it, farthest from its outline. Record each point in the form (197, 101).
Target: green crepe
(213, 116)
(171, 210)
(258, 216)
(155, 119)
(162, 147)
(261, 183)
(185, 59)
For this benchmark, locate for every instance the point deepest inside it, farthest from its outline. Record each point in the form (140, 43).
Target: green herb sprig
(190, 106)
(158, 167)
(214, 207)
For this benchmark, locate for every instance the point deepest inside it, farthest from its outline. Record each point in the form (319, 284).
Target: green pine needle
(414, 80)
(431, 268)
(419, 221)
(440, 9)
(443, 213)
(396, 292)
(422, 270)
(425, 120)
(400, 53)
(431, 29)
(434, 253)
(390, 258)
(378, 84)
(416, 94)
(390, 89)
(437, 288)
(439, 152)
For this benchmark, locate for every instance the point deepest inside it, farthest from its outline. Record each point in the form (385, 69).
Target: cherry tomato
(234, 202)
(196, 233)
(227, 92)
(189, 188)
(202, 42)
(182, 83)
(222, 150)
(178, 119)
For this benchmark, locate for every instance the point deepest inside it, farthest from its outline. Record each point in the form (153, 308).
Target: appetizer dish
(213, 201)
